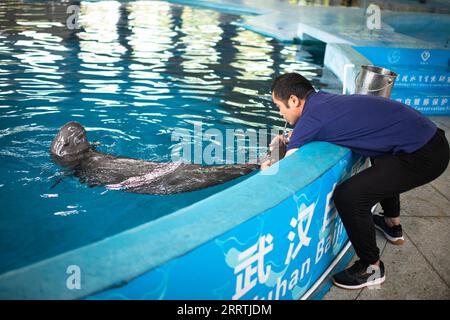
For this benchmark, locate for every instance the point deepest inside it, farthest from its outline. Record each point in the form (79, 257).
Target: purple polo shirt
(368, 125)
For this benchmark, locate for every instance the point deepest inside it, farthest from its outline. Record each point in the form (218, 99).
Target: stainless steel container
(375, 81)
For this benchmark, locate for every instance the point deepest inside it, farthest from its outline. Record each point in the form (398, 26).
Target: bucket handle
(389, 83)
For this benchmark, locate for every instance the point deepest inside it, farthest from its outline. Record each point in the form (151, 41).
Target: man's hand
(277, 148)
(278, 144)
(279, 139)
(266, 164)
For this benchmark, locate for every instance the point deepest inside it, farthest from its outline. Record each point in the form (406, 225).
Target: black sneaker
(394, 235)
(360, 275)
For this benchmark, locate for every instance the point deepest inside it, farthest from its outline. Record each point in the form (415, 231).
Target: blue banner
(279, 254)
(423, 80)
(430, 103)
(419, 58)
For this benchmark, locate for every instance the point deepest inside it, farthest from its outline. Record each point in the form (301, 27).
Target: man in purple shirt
(406, 150)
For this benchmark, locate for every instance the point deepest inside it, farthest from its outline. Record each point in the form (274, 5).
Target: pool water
(133, 73)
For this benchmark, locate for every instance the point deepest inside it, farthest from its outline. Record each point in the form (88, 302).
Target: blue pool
(134, 72)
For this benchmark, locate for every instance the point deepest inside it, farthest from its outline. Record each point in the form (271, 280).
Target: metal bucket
(375, 81)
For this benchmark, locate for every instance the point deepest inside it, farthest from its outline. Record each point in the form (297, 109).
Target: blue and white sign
(278, 254)
(436, 58)
(424, 103)
(423, 80)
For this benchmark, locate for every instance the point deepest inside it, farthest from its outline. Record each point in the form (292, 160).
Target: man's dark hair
(291, 84)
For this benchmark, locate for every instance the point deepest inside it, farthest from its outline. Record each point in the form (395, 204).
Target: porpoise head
(70, 143)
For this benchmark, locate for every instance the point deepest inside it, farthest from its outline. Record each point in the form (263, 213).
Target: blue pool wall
(274, 252)
(201, 250)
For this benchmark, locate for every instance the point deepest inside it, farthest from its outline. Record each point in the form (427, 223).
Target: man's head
(289, 93)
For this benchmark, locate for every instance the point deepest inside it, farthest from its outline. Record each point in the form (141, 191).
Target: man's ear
(294, 101)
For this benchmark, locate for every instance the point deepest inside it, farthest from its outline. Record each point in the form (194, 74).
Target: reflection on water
(133, 73)
(141, 54)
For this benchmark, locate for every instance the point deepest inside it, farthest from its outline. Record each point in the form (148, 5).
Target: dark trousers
(382, 183)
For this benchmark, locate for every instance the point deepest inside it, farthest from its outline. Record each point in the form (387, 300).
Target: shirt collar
(310, 94)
